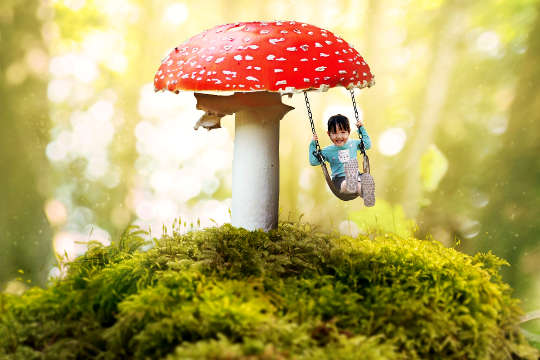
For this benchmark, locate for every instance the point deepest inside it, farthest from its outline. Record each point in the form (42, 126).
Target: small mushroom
(244, 69)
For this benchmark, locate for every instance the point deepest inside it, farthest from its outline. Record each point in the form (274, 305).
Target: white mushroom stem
(255, 188)
(255, 174)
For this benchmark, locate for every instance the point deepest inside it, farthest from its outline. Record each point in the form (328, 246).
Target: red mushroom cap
(279, 56)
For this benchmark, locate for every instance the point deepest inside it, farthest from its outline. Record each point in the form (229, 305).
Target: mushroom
(243, 69)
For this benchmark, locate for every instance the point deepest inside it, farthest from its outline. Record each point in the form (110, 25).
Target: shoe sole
(351, 171)
(368, 189)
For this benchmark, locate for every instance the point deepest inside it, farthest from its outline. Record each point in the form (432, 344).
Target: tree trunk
(25, 236)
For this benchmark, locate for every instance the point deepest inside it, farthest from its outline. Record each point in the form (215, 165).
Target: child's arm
(312, 148)
(362, 132)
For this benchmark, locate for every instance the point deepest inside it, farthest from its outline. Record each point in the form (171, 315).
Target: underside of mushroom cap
(278, 56)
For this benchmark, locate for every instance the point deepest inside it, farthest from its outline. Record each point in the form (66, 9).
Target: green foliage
(291, 293)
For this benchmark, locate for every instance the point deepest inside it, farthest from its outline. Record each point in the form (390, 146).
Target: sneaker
(367, 190)
(351, 179)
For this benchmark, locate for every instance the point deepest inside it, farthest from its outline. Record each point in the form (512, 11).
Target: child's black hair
(338, 121)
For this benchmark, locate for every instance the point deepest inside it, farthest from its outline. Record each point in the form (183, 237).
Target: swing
(319, 156)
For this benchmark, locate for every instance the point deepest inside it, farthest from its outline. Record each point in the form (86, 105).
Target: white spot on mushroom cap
(318, 44)
(320, 68)
(248, 57)
(238, 57)
(281, 82)
(252, 47)
(278, 70)
(275, 41)
(264, 31)
(270, 57)
(252, 78)
(324, 54)
(281, 59)
(304, 47)
(292, 48)
(257, 67)
(218, 60)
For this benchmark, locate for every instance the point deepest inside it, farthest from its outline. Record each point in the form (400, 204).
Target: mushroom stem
(255, 175)
(255, 178)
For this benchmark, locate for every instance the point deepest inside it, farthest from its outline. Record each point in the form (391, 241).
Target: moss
(291, 293)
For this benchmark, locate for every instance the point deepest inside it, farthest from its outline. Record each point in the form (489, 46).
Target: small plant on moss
(291, 293)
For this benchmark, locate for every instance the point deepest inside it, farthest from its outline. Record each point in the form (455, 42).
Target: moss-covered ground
(291, 293)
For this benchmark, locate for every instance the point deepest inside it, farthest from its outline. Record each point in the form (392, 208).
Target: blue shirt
(337, 155)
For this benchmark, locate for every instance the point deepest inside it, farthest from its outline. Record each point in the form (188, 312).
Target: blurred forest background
(87, 148)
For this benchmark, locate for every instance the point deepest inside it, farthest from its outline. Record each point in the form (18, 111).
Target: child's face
(340, 137)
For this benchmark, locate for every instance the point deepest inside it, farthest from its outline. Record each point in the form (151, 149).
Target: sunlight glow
(73, 243)
(56, 212)
(470, 228)
(349, 228)
(488, 42)
(89, 137)
(37, 61)
(498, 124)
(392, 141)
(58, 90)
(82, 67)
(106, 47)
(74, 5)
(119, 10)
(176, 163)
(176, 14)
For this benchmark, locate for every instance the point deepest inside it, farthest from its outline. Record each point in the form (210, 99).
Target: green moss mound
(291, 293)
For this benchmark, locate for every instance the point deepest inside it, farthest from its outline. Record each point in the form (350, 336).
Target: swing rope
(318, 153)
(362, 148)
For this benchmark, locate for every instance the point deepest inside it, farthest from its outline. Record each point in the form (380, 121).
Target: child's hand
(315, 138)
(359, 123)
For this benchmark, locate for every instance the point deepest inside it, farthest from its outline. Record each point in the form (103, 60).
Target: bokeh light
(392, 141)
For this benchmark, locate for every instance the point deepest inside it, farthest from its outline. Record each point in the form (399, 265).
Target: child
(342, 157)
